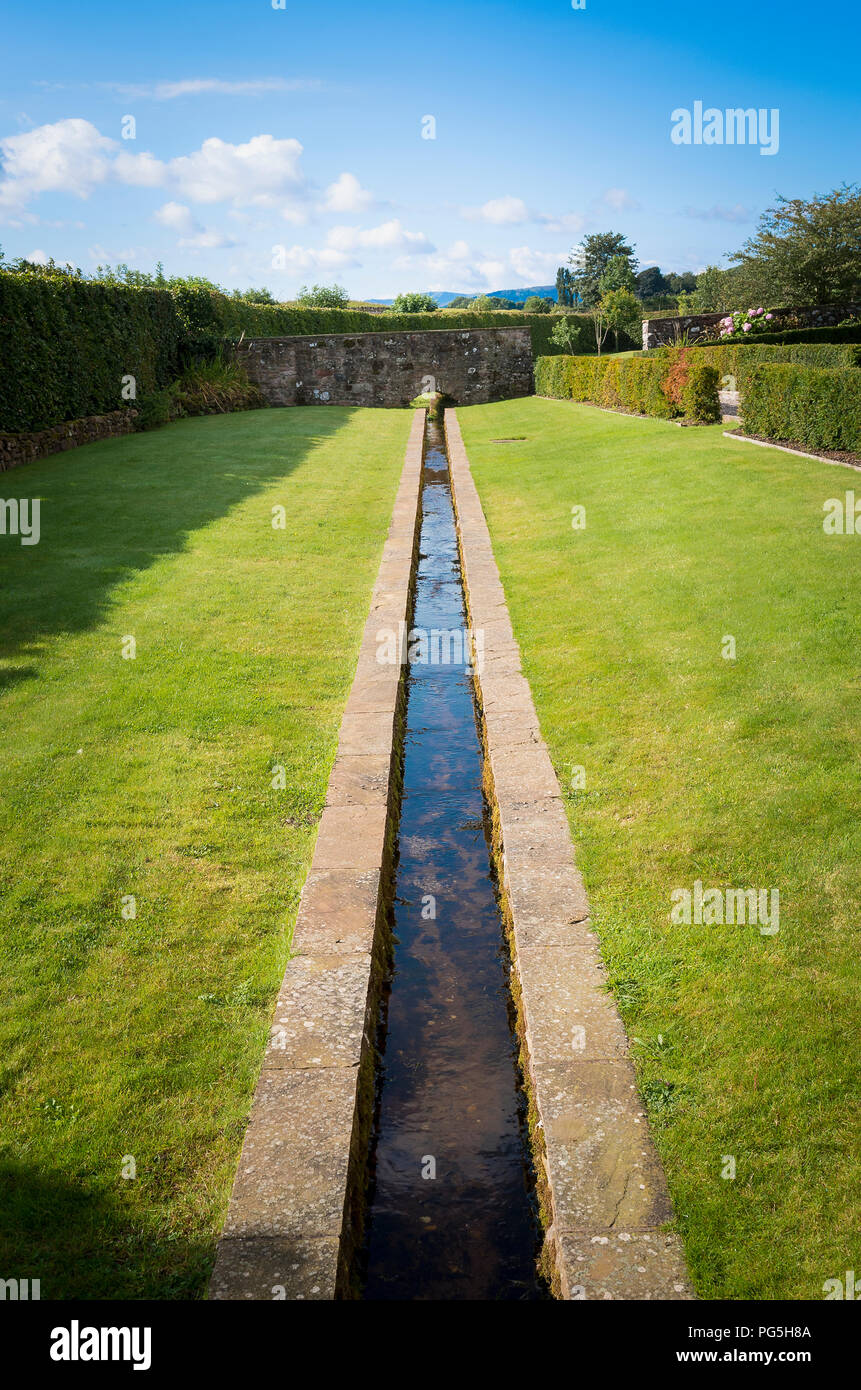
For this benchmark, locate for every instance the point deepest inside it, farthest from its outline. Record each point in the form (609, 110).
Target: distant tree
(483, 304)
(617, 275)
(414, 303)
(460, 301)
(500, 303)
(253, 296)
(565, 292)
(537, 304)
(592, 257)
(323, 297)
(805, 253)
(650, 283)
(681, 284)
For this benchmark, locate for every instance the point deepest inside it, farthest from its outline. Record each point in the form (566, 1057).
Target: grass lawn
(140, 1036)
(741, 773)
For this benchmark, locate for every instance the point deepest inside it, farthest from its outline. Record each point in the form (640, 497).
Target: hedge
(739, 359)
(630, 383)
(65, 345)
(815, 406)
(848, 333)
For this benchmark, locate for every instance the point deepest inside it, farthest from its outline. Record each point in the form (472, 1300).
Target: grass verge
(741, 773)
(151, 857)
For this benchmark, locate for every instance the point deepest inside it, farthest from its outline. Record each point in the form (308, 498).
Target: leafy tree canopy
(414, 303)
(805, 253)
(592, 258)
(323, 297)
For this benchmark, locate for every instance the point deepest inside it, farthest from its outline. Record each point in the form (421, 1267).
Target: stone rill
(391, 369)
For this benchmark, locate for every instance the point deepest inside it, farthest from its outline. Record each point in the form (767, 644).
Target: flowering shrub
(739, 325)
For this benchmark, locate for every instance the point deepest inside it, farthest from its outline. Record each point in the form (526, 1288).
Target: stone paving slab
(602, 1188)
(293, 1217)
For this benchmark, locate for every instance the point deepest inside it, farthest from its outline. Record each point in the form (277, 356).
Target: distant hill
(444, 297)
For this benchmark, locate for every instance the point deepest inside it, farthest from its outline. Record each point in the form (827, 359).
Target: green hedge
(851, 333)
(629, 383)
(65, 344)
(815, 406)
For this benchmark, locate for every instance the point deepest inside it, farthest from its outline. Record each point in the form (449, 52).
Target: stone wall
(16, 449)
(666, 332)
(391, 369)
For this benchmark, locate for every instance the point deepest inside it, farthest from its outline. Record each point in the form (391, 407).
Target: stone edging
(18, 449)
(601, 1185)
(296, 1207)
(785, 449)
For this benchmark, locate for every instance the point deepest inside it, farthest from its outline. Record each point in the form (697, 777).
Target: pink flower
(747, 328)
(769, 316)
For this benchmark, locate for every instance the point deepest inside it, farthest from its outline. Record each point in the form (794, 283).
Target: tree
(592, 257)
(622, 312)
(483, 304)
(805, 254)
(323, 297)
(460, 301)
(618, 275)
(565, 292)
(414, 302)
(253, 296)
(651, 283)
(681, 284)
(537, 304)
(568, 333)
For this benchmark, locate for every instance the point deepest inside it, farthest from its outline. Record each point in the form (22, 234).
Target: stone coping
(787, 449)
(602, 1189)
(295, 1211)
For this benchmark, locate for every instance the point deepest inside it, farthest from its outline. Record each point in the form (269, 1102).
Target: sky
(392, 147)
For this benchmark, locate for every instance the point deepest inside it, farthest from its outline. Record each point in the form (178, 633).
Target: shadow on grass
(82, 1242)
(110, 510)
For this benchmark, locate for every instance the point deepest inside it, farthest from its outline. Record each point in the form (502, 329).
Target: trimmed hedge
(65, 345)
(815, 406)
(739, 358)
(850, 333)
(630, 383)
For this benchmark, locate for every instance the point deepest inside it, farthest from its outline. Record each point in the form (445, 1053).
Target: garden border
(601, 1186)
(785, 449)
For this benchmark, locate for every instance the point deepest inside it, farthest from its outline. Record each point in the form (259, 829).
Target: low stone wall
(391, 369)
(16, 449)
(666, 332)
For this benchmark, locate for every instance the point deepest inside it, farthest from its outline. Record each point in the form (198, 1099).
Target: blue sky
(283, 146)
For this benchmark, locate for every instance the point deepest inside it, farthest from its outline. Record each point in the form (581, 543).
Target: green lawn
(741, 773)
(142, 1036)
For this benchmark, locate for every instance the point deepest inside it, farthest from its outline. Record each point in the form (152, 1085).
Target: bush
(739, 359)
(700, 394)
(66, 344)
(815, 406)
(414, 303)
(323, 296)
(154, 409)
(848, 332)
(214, 388)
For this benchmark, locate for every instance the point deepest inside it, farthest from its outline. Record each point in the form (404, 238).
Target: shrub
(816, 406)
(154, 409)
(847, 332)
(324, 296)
(618, 383)
(213, 389)
(414, 303)
(700, 394)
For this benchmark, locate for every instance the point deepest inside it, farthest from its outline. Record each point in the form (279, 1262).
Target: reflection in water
(449, 1100)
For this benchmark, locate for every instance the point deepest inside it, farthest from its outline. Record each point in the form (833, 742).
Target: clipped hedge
(848, 333)
(737, 359)
(65, 345)
(630, 383)
(815, 406)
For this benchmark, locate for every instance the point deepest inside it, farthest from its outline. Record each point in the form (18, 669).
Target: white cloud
(201, 86)
(139, 170)
(389, 236)
(68, 156)
(621, 200)
(308, 258)
(346, 194)
(499, 211)
(179, 218)
(257, 172)
(37, 257)
(718, 213)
